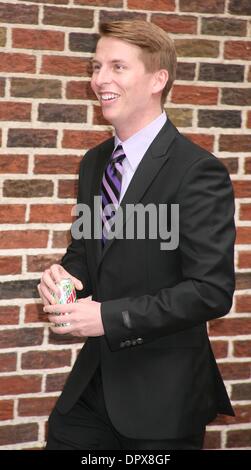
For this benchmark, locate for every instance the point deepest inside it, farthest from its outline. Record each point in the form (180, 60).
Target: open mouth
(108, 97)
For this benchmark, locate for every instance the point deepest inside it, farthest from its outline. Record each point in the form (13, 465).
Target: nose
(102, 76)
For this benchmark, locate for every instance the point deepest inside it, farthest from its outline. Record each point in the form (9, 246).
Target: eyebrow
(111, 61)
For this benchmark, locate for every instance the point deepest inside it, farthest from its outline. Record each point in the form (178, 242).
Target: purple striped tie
(110, 189)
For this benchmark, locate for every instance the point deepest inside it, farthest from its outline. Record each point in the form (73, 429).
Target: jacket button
(122, 344)
(139, 340)
(128, 342)
(134, 342)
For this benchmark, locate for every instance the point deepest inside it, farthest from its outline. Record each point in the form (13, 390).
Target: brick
(17, 63)
(249, 119)
(24, 14)
(203, 140)
(243, 237)
(98, 117)
(165, 5)
(62, 113)
(34, 313)
(200, 6)
(236, 96)
(36, 406)
(235, 143)
(10, 265)
(13, 434)
(237, 50)
(9, 315)
(46, 359)
(2, 87)
(249, 74)
(240, 438)
(83, 42)
(38, 263)
(241, 391)
(185, 71)
(13, 163)
(70, 17)
(32, 138)
(242, 349)
(55, 382)
(84, 139)
(27, 188)
(224, 26)
(8, 362)
(2, 37)
(56, 339)
(58, 2)
(220, 348)
(197, 48)
(51, 213)
(36, 88)
(109, 15)
(242, 414)
(245, 209)
(60, 239)
(68, 189)
(244, 260)
(194, 94)
(100, 3)
(226, 327)
(176, 23)
(10, 111)
(6, 409)
(243, 303)
(235, 370)
(57, 164)
(17, 384)
(231, 164)
(37, 39)
(65, 66)
(239, 7)
(221, 72)
(181, 117)
(23, 239)
(212, 440)
(12, 213)
(21, 337)
(214, 118)
(79, 90)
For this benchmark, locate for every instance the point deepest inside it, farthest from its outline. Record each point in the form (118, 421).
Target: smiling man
(146, 377)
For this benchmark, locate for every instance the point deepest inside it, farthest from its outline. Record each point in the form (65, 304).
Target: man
(146, 377)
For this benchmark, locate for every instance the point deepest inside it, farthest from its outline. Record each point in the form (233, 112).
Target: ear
(160, 80)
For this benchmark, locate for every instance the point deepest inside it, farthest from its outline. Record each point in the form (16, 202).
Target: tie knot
(118, 155)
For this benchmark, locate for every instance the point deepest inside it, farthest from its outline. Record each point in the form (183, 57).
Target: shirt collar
(136, 146)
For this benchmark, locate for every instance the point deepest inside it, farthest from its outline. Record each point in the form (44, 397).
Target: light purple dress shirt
(135, 148)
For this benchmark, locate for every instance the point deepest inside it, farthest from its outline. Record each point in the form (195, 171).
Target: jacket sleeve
(74, 261)
(206, 246)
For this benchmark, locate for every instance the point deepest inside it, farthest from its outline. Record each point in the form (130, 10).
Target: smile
(108, 96)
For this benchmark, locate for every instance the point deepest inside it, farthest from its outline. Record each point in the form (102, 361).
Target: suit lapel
(146, 172)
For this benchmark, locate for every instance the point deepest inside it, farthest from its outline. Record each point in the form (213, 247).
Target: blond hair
(157, 48)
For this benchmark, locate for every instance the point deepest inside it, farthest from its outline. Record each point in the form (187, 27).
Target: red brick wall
(49, 118)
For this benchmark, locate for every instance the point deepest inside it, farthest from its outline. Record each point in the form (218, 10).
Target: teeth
(108, 96)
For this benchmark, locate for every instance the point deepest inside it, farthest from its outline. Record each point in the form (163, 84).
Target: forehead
(109, 48)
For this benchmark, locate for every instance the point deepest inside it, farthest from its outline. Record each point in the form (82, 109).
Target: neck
(125, 131)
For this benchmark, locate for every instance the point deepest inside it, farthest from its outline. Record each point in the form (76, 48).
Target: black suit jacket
(159, 374)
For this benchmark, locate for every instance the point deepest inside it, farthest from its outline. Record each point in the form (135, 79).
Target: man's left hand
(84, 318)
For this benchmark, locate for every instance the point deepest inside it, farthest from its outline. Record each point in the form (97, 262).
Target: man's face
(121, 83)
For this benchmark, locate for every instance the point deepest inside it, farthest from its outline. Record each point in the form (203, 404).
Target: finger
(61, 330)
(59, 308)
(45, 302)
(48, 282)
(58, 273)
(77, 283)
(48, 298)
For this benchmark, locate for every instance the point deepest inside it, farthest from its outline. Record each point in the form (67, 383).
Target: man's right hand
(50, 278)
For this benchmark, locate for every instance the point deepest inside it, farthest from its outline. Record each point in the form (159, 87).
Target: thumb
(77, 283)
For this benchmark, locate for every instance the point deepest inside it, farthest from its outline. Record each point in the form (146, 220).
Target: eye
(119, 67)
(95, 67)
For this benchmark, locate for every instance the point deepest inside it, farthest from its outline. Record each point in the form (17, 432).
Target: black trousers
(87, 426)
